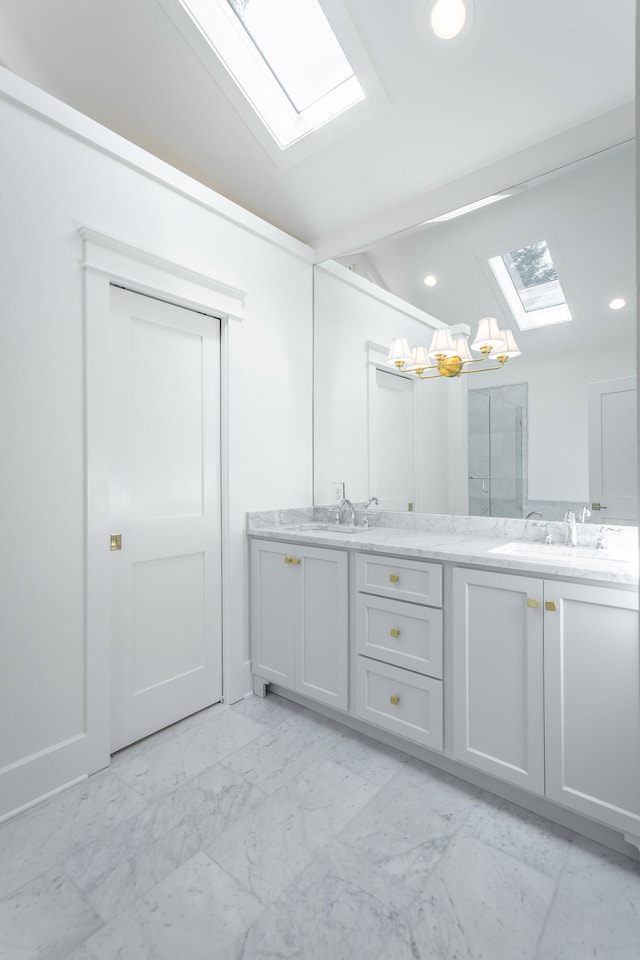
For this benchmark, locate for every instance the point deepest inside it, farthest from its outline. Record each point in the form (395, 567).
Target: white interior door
(613, 464)
(391, 440)
(165, 503)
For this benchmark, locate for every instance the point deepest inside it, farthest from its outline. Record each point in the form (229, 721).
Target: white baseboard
(34, 778)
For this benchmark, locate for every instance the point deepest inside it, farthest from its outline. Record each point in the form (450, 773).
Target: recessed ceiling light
(448, 18)
(618, 303)
(430, 280)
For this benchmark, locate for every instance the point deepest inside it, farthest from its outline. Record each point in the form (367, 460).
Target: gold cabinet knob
(394, 632)
(550, 605)
(288, 559)
(393, 577)
(532, 602)
(394, 700)
(296, 561)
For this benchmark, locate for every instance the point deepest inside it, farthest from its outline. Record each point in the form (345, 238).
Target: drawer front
(412, 580)
(400, 633)
(401, 702)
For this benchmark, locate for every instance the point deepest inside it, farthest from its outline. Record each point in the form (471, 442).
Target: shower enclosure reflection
(497, 425)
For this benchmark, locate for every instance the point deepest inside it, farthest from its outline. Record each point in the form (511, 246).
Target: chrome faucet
(365, 519)
(572, 533)
(584, 514)
(352, 512)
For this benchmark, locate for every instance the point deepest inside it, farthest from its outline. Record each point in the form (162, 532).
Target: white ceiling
(526, 73)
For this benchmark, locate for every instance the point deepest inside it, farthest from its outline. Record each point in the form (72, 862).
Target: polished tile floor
(266, 831)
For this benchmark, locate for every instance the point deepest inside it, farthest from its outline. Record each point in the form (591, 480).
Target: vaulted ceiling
(529, 87)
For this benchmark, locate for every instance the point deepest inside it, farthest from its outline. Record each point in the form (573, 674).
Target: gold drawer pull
(393, 577)
(296, 561)
(395, 632)
(288, 559)
(532, 602)
(394, 700)
(550, 605)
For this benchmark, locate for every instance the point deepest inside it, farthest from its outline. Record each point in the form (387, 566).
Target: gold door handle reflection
(393, 577)
(394, 632)
(550, 605)
(394, 700)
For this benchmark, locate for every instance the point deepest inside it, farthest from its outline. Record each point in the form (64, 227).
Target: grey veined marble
(223, 837)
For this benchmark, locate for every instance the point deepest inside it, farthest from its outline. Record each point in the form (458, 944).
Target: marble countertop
(616, 565)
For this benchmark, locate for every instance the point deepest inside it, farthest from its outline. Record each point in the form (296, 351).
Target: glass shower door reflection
(496, 451)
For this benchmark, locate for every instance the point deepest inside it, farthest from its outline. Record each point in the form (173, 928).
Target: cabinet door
(592, 696)
(498, 723)
(272, 611)
(322, 625)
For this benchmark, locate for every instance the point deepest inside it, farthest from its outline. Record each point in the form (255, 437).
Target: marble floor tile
(585, 853)
(480, 904)
(264, 832)
(337, 908)
(268, 848)
(407, 827)
(595, 914)
(199, 912)
(143, 850)
(533, 840)
(281, 753)
(371, 760)
(45, 835)
(174, 761)
(45, 919)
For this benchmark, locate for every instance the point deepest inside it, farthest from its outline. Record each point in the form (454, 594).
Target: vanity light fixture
(617, 303)
(448, 18)
(452, 356)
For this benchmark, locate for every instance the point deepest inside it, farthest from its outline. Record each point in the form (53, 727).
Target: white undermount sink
(564, 553)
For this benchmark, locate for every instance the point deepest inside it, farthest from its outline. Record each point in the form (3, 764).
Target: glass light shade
(488, 335)
(510, 345)
(420, 359)
(442, 344)
(462, 348)
(448, 18)
(399, 352)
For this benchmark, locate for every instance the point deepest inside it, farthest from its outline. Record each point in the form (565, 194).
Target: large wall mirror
(496, 443)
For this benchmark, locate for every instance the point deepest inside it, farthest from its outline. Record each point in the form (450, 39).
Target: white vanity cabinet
(300, 619)
(497, 683)
(399, 647)
(546, 689)
(592, 702)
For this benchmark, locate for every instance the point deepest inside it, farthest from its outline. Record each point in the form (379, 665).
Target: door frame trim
(108, 261)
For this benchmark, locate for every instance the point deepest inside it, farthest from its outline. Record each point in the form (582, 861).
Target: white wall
(349, 311)
(53, 180)
(558, 415)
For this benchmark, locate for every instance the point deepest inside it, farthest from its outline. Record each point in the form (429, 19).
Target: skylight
(297, 44)
(284, 57)
(529, 281)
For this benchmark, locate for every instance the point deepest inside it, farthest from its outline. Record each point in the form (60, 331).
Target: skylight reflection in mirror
(529, 283)
(534, 276)
(296, 42)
